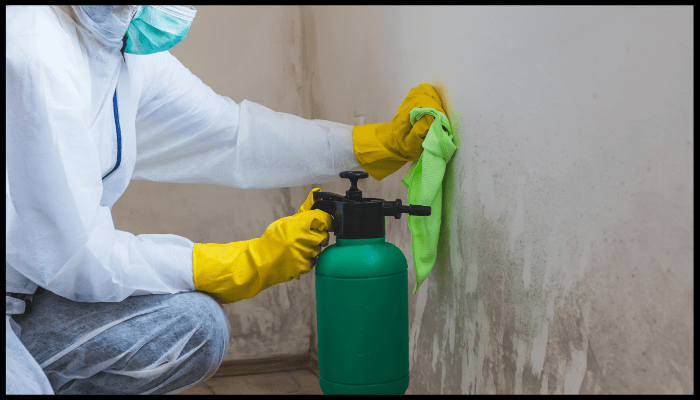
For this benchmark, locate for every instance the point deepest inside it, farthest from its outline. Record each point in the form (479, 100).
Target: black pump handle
(354, 193)
(354, 176)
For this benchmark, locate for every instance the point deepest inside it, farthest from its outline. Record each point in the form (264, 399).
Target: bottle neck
(359, 242)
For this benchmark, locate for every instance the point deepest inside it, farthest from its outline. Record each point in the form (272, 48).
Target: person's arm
(187, 133)
(58, 234)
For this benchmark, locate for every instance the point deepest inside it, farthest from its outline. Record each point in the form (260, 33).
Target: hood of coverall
(107, 23)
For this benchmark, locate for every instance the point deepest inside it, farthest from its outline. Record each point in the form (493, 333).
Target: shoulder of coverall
(34, 34)
(37, 46)
(30, 20)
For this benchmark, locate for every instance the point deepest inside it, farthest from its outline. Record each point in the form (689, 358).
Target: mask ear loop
(124, 47)
(133, 14)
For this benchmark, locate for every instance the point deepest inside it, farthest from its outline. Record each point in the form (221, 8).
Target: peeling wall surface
(249, 53)
(565, 259)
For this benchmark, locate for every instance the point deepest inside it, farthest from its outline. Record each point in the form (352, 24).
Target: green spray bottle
(362, 296)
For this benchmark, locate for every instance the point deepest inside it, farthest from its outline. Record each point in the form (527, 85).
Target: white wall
(565, 265)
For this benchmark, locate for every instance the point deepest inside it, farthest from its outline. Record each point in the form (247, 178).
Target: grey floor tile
(293, 382)
(199, 388)
(308, 382)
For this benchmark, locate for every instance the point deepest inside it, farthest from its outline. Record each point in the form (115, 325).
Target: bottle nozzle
(416, 210)
(395, 208)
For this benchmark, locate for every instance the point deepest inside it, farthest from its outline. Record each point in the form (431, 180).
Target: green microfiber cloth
(424, 182)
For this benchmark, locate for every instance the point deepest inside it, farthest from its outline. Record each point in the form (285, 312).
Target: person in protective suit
(93, 100)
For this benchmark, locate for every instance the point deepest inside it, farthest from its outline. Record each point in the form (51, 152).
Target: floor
(289, 382)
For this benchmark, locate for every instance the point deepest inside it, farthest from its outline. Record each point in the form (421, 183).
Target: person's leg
(144, 344)
(22, 374)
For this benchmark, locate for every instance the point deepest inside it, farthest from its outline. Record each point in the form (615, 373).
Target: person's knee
(209, 338)
(212, 326)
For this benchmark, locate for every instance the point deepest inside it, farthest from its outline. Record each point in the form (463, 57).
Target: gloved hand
(241, 270)
(383, 148)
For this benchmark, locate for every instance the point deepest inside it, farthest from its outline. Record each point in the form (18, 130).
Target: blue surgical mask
(157, 28)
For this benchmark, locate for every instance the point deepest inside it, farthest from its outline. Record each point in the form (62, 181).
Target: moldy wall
(566, 262)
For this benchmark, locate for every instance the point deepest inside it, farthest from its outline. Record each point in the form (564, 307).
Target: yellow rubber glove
(240, 270)
(383, 148)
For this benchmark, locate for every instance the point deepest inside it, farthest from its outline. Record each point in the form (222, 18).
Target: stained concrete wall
(249, 53)
(565, 264)
(565, 257)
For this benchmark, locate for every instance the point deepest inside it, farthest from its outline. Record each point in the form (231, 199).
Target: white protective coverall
(61, 140)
